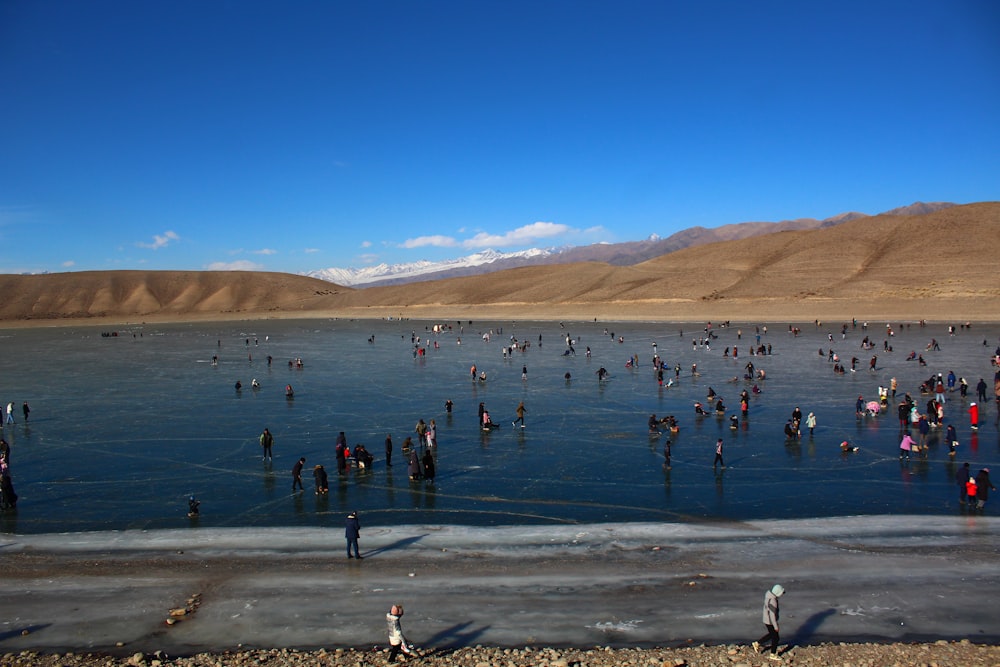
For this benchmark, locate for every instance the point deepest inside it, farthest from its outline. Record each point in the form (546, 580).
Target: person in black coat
(8, 499)
(983, 487)
(352, 532)
(322, 483)
(414, 468)
(341, 456)
(428, 461)
(297, 474)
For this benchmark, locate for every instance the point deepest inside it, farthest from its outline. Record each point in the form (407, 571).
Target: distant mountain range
(616, 254)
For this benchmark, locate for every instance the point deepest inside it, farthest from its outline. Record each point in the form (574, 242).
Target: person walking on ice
(770, 617)
(266, 442)
(520, 415)
(718, 454)
(397, 642)
(297, 474)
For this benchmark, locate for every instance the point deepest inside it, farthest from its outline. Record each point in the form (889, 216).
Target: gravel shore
(942, 653)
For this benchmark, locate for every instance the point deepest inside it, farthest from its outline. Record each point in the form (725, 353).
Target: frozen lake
(123, 429)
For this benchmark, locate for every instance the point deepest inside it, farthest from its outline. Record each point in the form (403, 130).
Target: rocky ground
(939, 654)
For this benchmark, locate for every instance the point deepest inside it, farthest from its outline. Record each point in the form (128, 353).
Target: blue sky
(304, 135)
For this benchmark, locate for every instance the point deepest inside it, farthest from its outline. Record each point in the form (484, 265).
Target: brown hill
(937, 266)
(163, 295)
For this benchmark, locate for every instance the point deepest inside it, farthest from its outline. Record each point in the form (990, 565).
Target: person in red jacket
(974, 416)
(971, 488)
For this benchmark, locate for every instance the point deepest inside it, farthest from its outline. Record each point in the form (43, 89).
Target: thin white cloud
(366, 244)
(265, 251)
(368, 258)
(525, 235)
(310, 251)
(436, 240)
(68, 263)
(160, 241)
(10, 214)
(238, 265)
(522, 236)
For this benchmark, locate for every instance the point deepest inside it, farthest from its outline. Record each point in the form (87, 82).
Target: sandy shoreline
(756, 311)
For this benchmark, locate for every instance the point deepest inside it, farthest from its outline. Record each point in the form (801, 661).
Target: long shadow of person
(808, 629)
(455, 637)
(398, 544)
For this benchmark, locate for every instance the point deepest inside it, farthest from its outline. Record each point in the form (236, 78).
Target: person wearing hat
(397, 642)
(297, 474)
(973, 416)
(352, 532)
(770, 617)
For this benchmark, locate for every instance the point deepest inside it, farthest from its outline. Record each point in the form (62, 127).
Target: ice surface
(887, 578)
(569, 531)
(123, 429)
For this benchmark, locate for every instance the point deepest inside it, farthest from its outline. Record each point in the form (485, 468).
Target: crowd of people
(917, 423)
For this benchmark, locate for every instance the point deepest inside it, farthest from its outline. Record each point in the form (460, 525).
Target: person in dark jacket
(297, 474)
(266, 442)
(8, 499)
(322, 483)
(342, 453)
(983, 488)
(428, 461)
(414, 467)
(352, 532)
(962, 478)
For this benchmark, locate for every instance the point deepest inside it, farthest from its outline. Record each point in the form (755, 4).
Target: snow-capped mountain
(616, 254)
(395, 273)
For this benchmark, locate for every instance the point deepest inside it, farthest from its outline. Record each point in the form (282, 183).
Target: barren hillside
(940, 265)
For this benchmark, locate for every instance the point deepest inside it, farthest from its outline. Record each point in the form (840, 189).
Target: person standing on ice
(397, 642)
(770, 617)
(266, 442)
(962, 478)
(983, 488)
(352, 532)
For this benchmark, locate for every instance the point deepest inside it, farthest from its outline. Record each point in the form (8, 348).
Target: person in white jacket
(770, 618)
(397, 642)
